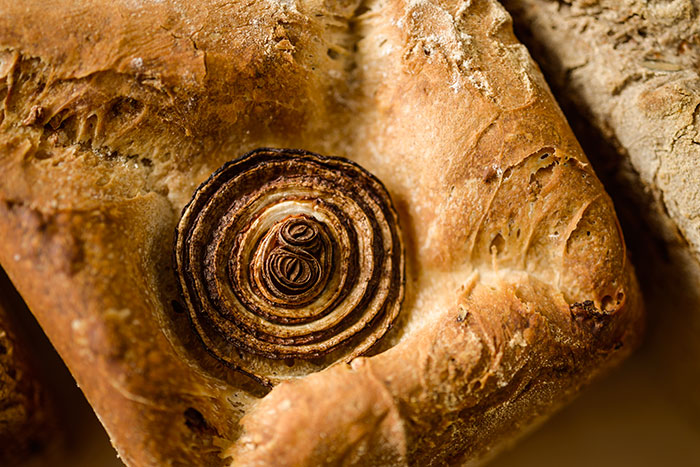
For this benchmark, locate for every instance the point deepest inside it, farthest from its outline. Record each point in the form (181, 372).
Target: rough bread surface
(634, 69)
(518, 286)
(628, 75)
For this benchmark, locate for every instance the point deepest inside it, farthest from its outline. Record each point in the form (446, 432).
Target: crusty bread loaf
(628, 74)
(517, 285)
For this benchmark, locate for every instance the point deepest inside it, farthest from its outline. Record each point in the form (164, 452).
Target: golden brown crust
(479, 374)
(628, 77)
(518, 290)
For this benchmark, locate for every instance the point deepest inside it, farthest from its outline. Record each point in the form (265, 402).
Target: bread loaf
(514, 291)
(628, 75)
(27, 423)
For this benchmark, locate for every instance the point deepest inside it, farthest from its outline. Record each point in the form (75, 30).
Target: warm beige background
(626, 419)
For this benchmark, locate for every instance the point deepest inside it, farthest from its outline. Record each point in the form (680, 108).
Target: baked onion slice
(289, 261)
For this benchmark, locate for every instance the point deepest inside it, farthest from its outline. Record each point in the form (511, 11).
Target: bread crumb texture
(518, 288)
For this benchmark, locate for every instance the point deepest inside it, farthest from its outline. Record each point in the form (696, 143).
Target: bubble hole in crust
(289, 262)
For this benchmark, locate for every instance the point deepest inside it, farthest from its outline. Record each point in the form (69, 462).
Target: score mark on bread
(289, 259)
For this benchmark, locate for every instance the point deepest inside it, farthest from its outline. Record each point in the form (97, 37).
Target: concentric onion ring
(289, 261)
